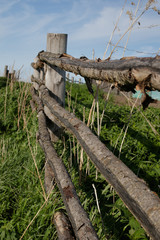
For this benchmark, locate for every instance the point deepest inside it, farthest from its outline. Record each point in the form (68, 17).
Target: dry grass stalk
(45, 202)
(21, 102)
(125, 133)
(106, 101)
(81, 154)
(149, 123)
(5, 102)
(115, 27)
(118, 138)
(88, 124)
(69, 105)
(97, 202)
(4, 147)
(132, 27)
(78, 153)
(70, 158)
(33, 157)
(64, 149)
(74, 149)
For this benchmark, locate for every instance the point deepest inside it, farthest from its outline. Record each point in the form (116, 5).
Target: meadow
(131, 133)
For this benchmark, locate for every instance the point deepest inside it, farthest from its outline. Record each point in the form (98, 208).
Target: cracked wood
(127, 73)
(140, 200)
(76, 213)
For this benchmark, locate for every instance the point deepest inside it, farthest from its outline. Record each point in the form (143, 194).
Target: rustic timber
(5, 74)
(63, 226)
(125, 73)
(134, 192)
(55, 77)
(80, 222)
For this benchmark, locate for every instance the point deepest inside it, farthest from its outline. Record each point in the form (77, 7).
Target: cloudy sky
(24, 25)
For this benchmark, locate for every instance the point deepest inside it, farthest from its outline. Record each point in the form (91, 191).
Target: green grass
(21, 194)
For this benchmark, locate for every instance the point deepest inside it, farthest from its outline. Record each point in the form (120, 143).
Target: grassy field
(23, 210)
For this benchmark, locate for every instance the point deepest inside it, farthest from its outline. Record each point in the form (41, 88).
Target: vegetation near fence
(124, 74)
(103, 159)
(22, 196)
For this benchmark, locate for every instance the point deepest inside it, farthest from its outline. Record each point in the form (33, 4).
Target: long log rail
(127, 73)
(140, 200)
(80, 222)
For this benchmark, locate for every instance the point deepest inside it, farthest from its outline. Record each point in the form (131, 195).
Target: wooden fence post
(5, 71)
(36, 73)
(55, 82)
(55, 77)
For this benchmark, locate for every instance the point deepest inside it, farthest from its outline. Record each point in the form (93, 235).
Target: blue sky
(24, 25)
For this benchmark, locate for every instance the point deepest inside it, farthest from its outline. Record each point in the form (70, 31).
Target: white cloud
(24, 22)
(7, 5)
(102, 26)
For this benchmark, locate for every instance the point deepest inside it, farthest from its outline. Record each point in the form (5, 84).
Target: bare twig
(95, 192)
(115, 27)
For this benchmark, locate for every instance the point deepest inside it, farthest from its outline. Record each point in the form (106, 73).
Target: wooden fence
(11, 74)
(126, 74)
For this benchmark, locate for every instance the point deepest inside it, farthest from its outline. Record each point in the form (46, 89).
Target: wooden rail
(78, 217)
(139, 199)
(127, 74)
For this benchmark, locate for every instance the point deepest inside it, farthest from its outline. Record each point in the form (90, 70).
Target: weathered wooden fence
(11, 74)
(126, 74)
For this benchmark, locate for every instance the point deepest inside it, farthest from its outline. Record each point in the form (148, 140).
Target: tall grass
(24, 213)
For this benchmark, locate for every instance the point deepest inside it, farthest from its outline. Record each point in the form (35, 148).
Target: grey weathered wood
(49, 177)
(126, 73)
(5, 74)
(134, 192)
(55, 77)
(63, 226)
(80, 222)
(36, 73)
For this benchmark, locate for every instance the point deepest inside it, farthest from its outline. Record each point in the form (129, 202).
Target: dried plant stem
(33, 157)
(131, 28)
(80, 166)
(98, 120)
(95, 192)
(45, 202)
(118, 138)
(70, 159)
(88, 123)
(64, 149)
(74, 149)
(21, 102)
(153, 129)
(125, 133)
(115, 27)
(149, 123)
(98, 117)
(90, 113)
(88, 167)
(5, 102)
(69, 106)
(81, 154)
(77, 153)
(102, 115)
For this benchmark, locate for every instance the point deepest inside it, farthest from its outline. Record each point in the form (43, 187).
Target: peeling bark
(140, 200)
(63, 226)
(126, 73)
